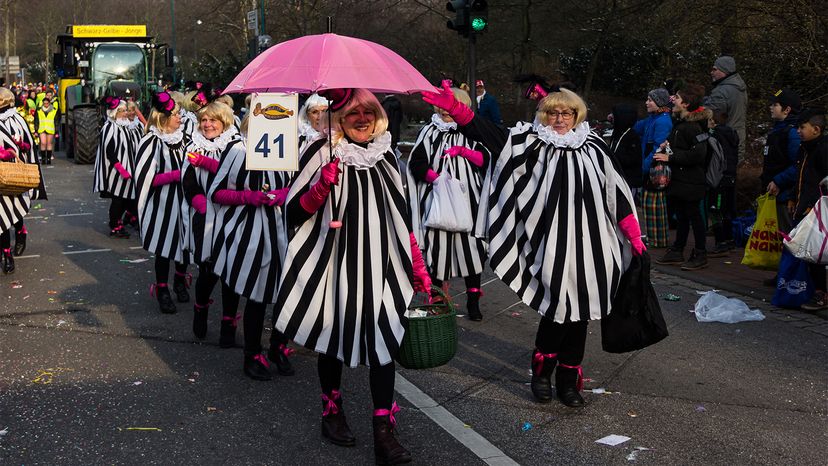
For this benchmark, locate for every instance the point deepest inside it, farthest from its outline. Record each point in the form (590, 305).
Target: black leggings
(817, 273)
(116, 210)
(568, 340)
(381, 379)
(205, 283)
(472, 281)
(162, 269)
(5, 240)
(688, 214)
(19, 229)
(254, 316)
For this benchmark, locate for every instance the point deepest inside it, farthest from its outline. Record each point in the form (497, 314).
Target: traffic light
(460, 8)
(478, 15)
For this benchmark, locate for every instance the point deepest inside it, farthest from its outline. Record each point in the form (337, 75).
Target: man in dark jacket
(722, 198)
(779, 172)
(487, 105)
(625, 145)
(393, 110)
(729, 95)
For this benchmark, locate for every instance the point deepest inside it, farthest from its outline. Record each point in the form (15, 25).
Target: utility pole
(172, 16)
(7, 69)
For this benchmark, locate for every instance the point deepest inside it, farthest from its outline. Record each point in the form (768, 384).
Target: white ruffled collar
(360, 157)
(218, 143)
(572, 139)
(441, 125)
(8, 113)
(123, 122)
(307, 131)
(168, 138)
(136, 123)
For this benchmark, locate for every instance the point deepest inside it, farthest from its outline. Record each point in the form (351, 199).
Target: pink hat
(479, 83)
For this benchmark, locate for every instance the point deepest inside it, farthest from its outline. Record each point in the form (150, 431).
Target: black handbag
(635, 319)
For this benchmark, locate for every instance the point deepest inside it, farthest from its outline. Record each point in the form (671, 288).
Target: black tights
(116, 210)
(381, 379)
(205, 283)
(254, 316)
(568, 340)
(5, 240)
(472, 281)
(162, 269)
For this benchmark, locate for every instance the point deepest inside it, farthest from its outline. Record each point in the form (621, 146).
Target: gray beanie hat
(725, 64)
(660, 96)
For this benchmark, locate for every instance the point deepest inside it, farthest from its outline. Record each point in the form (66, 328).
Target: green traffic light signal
(479, 24)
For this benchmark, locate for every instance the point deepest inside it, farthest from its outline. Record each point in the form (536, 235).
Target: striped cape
(14, 208)
(447, 254)
(17, 127)
(198, 228)
(115, 145)
(249, 241)
(189, 122)
(553, 210)
(159, 209)
(136, 132)
(343, 291)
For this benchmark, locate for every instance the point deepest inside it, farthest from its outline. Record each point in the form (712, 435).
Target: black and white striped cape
(553, 210)
(14, 208)
(343, 291)
(16, 126)
(115, 146)
(189, 122)
(447, 254)
(159, 208)
(249, 241)
(198, 228)
(136, 132)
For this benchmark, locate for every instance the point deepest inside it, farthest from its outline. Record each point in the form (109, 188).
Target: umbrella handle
(333, 224)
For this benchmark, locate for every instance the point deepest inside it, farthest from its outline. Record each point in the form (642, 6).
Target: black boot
(256, 367)
(473, 304)
(48, 157)
(387, 450)
(8, 261)
(20, 242)
(334, 426)
(697, 260)
(119, 231)
(165, 302)
(278, 354)
(542, 367)
(568, 383)
(227, 338)
(200, 320)
(181, 283)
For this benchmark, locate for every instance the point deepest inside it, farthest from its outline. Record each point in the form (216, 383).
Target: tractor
(94, 61)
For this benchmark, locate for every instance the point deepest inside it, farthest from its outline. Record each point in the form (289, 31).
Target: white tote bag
(809, 240)
(449, 209)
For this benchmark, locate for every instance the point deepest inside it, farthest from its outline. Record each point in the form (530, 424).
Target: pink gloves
(246, 197)
(473, 156)
(122, 171)
(199, 203)
(431, 176)
(445, 99)
(166, 178)
(312, 200)
(279, 196)
(7, 154)
(199, 161)
(422, 280)
(629, 226)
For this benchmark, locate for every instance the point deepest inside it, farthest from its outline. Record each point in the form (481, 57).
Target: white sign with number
(272, 139)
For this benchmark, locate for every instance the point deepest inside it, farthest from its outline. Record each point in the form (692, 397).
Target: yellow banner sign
(108, 30)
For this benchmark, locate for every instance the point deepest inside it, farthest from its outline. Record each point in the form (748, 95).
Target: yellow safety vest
(46, 121)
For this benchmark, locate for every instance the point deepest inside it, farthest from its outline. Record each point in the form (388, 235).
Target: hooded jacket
(626, 144)
(781, 155)
(688, 181)
(729, 95)
(652, 130)
(812, 168)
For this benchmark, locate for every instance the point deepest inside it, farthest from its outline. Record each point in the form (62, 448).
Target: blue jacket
(489, 109)
(652, 130)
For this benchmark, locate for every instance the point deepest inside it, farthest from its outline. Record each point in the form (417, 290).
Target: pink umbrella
(329, 61)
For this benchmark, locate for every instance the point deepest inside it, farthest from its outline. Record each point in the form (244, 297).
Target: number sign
(272, 141)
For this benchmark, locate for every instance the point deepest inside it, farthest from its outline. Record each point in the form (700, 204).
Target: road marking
(28, 257)
(74, 215)
(34, 217)
(467, 436)
(85, 251)
(136, 247)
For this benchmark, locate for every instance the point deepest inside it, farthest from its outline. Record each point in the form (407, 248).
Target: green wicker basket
(430, 341)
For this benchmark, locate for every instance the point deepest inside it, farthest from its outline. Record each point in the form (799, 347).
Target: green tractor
(94, 61)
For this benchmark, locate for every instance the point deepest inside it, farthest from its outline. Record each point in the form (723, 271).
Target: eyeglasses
(564, 115)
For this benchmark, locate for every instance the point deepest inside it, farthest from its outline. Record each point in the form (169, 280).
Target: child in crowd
(722, 199)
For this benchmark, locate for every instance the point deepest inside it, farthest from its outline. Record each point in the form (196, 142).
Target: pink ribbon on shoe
(580, 385)
(330, 403)
(283, 348)
(539, 358)
(259, 357)
(188, 278)
(154, 288)
(389, 412)
(235, 319)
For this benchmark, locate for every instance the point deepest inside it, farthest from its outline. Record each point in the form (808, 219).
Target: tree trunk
(596, 51)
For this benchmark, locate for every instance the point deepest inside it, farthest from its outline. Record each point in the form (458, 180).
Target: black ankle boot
(181, 283)
(278, 354)
(165, 302)
(119, 231)
(200, 320)
(227, 337)
(542, 367)
(256, 367)
(8, 261)
(387, 450)
(568, 384)
(334, 426)
(20, 242)
(473, 304)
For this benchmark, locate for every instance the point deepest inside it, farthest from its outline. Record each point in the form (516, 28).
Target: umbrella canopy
(329, 61)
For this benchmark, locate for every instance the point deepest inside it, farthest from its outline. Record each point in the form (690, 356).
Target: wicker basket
(430, 341)
(17, 177)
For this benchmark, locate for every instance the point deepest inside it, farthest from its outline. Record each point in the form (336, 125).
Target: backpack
(715, 162)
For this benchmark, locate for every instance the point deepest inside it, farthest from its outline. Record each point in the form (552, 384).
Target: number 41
(263, 147)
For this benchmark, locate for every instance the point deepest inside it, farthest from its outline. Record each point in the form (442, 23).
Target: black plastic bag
(635, 320)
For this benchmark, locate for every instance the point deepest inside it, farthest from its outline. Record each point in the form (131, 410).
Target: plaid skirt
(654, 205)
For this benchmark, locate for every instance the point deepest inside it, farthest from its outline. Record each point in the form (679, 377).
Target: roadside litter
(634, 454)
(526, 426)
(672, 297)
(612, 440)
(713, 307)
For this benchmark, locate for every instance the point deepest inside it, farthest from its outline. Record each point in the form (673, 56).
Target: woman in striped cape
(441, 148)
(136, 131)
(160, 196)
(347, 277)
(560, 221)
(114, 164)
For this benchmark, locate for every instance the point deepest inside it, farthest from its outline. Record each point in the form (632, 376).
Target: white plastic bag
(713, 307)
(449, 209)
(809, 240)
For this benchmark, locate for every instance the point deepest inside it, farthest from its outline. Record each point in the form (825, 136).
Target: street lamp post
(172, 16)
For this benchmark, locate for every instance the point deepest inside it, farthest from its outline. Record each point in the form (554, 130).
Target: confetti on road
(700, 409)
(133, 261)
(526, 426)
(46, 376)
(16, 285)
(612, 440)
(634, 454)
(51, 292)
(516, 314)
(152, 429)
(4, 431)
(672, 297)
(632, 414)
(137, 382)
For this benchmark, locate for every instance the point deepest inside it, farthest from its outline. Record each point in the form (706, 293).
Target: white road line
(33, 217)
(74, 215)
(136, 247)
(27, 257)
(85, 251)
(475, 442)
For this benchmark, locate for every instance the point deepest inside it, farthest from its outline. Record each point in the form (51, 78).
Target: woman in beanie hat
(653, 131)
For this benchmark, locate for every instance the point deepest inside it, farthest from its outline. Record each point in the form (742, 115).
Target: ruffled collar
(136, 123)
(363, 158)
(7, 113)
(123, 122)
(218, 143)
(442, 125)
(168, 138)
(571, 140)
(307, 131)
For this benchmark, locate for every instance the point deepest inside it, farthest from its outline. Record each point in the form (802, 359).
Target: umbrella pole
(334, 224)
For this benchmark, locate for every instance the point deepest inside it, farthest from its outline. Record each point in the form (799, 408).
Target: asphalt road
(85, 358)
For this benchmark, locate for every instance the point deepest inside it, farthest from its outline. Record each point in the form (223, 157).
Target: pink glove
(629, 226)
(246, 197)
(473, 156)
(122, 171)
(445, 99)
(431, 175)
(312, 200)
(279, 196)
(166, 178)
(199, 203)
(422, 280)
(330, 173)
(7, 154)
(199, 161)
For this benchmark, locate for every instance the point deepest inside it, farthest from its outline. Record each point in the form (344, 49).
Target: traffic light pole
(472, 69)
